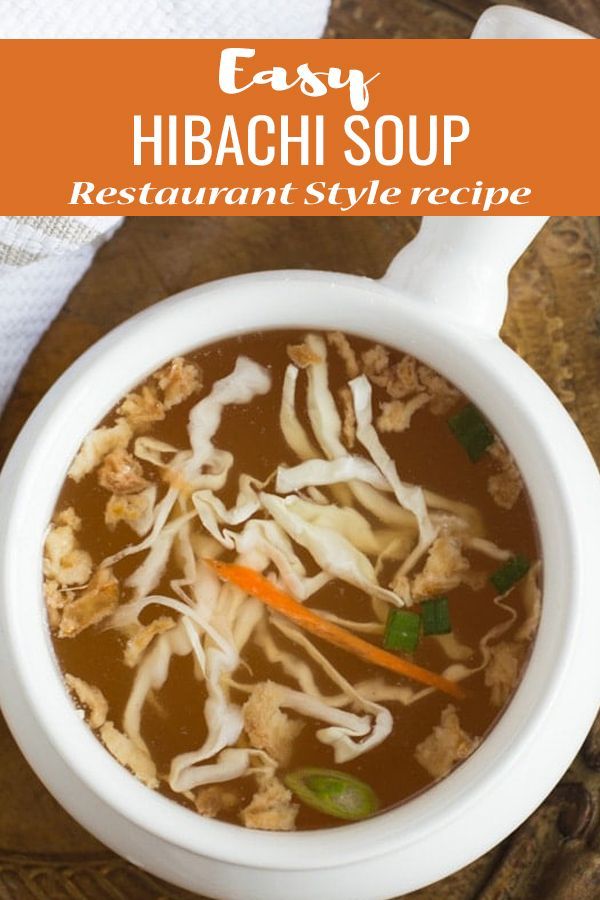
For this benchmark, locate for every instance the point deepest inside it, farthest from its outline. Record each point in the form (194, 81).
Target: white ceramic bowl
(442, 300)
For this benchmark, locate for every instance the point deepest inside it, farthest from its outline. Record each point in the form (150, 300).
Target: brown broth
(427, 454)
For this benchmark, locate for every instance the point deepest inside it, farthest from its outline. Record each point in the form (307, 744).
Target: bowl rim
(450, 347)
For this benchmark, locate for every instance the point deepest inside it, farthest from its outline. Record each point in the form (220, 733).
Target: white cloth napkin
(162, 18)
(43, 257)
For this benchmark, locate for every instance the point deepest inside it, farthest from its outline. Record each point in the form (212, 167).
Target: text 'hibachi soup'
(292, 579)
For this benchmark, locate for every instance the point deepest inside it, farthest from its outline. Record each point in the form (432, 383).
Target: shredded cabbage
(143, 525)
(150, 449)
(351, 624)
(162, 511)
(296, 668)
(458, 671)
(488, 548)
(223, 719)
(232, 762)
(151, 674)
(129, 613)
(380, 691)
(212, 512)
(340, 738)
(331, 551)
(322, 411)
(148, 574)
(293, 432)
(409, 496)
(367, 482)
(452, 647)
(329, 471)
(344, 520)
(247, 381)
(532, 598)
(263, 541)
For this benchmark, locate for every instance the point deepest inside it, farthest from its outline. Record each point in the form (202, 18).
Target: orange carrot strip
(264, 590)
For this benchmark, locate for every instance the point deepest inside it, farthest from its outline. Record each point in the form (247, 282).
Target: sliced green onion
(472, 431)
(402, 630)
(334, 793)
(435, 616)
(508, 574)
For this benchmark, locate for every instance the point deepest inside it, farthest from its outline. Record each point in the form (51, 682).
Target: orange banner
(299, 127)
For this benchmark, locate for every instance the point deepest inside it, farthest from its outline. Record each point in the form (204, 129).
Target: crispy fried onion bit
(311, 522)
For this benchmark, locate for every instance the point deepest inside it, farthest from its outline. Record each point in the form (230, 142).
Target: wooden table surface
(553, 321)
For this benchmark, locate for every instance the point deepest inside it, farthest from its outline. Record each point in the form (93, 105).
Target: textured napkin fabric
(162, 18)
(43, 257)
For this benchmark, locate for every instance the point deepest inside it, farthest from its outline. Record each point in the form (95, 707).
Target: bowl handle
(512, 22)
(460, 264)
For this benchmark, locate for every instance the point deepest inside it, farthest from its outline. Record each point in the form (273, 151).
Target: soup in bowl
(292, 579)
(335, 619)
